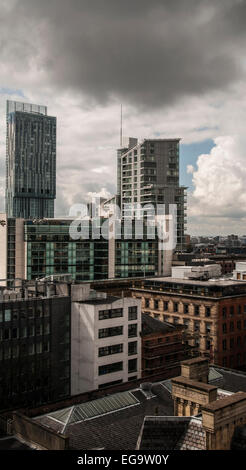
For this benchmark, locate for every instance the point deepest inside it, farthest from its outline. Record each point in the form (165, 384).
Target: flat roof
(209, 283)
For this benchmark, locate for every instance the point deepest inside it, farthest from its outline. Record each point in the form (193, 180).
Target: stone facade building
(213, 313)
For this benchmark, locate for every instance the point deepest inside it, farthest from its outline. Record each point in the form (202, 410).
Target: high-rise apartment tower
(30, 161)
(148, 173)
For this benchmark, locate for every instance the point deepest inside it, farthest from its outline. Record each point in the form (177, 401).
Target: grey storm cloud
(146, 53)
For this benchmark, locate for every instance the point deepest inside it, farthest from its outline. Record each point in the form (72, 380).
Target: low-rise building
(105, 341)
(239, 272)
(162, 347)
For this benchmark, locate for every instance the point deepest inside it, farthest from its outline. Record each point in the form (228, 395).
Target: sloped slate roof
(172, 433)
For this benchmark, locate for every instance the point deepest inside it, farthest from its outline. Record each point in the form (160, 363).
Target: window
(132, 313)
(39, 330)
(231, 326)
(239, 341)
(196, 326)
(114, 313)
(39, 347)
(224, 361)
(132, 348)
(231, 343)
(108, 350)
(239, 309)
(6, 333)
(224, 328)
(208, 344)
(224, 312)
(31, 349)
(147, 303)
(31, 330)
(165, 305)
(239, 325)
(46, 346)
(196, 310)
(208, 312)
(186, 308)
(132, 365)
(232, 311)
(8, 315)
(110, 368)
(132, 330)
(15, 333)
(175, 307)
(109, 384)
(114, 331)
(224, 345)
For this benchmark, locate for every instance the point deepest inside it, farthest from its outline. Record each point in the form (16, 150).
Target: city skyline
(168, 83)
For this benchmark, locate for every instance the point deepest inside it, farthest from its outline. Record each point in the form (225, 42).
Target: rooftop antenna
(121, 125)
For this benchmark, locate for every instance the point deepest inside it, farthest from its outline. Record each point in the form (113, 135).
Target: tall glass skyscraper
(30, 161)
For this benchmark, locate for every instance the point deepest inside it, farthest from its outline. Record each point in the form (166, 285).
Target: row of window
(231, 326)
(231, 343)
(117, 349)
(233, 309)
(175, 307)
(117, 366)
(118, 312)
(14, 333)
(22, 350)
(118, 330)
(28, 312)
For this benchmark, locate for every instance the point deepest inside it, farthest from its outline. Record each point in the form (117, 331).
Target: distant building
(30, 161)
(240, 271)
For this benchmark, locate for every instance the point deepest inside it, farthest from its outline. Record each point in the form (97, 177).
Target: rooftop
(212, 282)
(117, 428)
(115, 421)
(153, 325)
(98, 301)
(172, 433)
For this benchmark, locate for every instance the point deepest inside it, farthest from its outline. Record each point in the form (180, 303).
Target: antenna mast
(121, 125)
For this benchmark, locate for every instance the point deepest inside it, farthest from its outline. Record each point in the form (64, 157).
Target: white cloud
(219, 196)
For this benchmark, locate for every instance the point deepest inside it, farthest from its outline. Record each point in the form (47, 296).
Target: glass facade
(50, 250)
(30, 161)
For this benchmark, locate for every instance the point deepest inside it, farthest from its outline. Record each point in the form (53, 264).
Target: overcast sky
(177, 66)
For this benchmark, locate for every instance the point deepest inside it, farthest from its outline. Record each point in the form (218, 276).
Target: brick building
(213, 312)
(162, 347)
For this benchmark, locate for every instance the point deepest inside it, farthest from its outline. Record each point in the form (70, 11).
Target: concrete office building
(105, 340)
(30, 161)
(148, 173)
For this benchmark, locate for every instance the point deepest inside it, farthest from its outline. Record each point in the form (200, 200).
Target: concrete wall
(85, 344)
